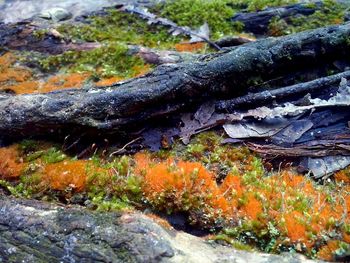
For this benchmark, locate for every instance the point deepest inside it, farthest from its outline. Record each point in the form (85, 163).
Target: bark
(170, 88)
(269, 95)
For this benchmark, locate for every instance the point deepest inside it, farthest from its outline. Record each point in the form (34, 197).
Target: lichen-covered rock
(33, 231)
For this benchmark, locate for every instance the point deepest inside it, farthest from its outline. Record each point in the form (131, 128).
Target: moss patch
(216, 186)
(331, 13)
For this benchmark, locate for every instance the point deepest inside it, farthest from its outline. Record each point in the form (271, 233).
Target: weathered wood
(258, 22)
(171, 87)
(268, 95)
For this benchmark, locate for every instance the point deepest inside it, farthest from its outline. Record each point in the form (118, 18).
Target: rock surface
(13, 11)
(33, 231)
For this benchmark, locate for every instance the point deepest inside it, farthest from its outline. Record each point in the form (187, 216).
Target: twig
(152, 18)
(126, 145)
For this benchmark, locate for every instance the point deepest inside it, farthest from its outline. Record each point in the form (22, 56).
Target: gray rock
(56, 14)
(33, 231)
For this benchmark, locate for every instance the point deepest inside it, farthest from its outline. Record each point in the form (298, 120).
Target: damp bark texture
(170, 88)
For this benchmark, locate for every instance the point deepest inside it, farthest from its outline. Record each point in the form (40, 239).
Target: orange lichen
(25, 87)
(140, 70)
(21, 81)
(6, 60)
(327, 251)
(11, 165)
(109, 81)
(64, 81)
(9, 73)
(190, 47)
(67, 174)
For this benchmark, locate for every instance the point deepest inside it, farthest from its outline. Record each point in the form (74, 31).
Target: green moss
(120, 27)
(194, 13)
(236, 244)
(40, 33)
(106, 61)
(255, 5)
(330, 13)
(253, 233)
(114, 190)
(29, 185)
(115, 31)
(27, 146)
(53, 155)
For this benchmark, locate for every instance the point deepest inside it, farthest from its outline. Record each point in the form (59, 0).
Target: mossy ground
(115, 30)
(221, 188)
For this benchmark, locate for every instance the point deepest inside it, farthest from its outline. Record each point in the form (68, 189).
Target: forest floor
(222, 192)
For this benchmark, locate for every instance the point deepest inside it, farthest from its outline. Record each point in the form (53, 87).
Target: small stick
(126, 145)
(154, 19)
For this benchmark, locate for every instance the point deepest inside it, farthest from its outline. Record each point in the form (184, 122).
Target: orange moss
(180, 177)
(252, 208)
(295, 226)
(327, 251)
(179, 185)
(342, 176)
(67, 174)
(11, 165)
(346, 238)
(190, 47)
(232, 186)
(15, 74)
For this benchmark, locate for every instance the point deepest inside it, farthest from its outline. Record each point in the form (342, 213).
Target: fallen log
(268, 95)
(170, 88)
